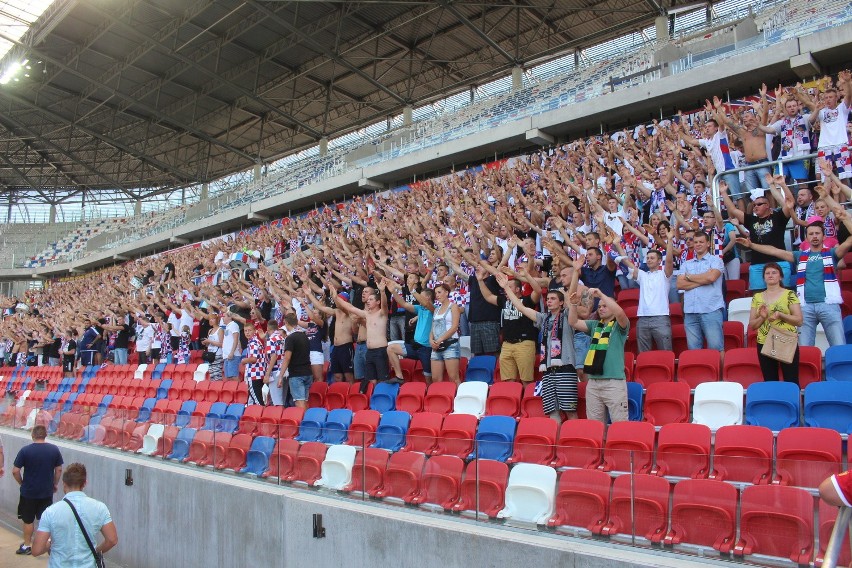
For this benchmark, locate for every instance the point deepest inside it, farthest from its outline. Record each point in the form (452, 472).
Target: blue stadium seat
(104, 405)
(310, 428)
(158, 371)
(257, 458)
(384, 397)
(838, 363)
(481, 368)
(336, 427)
(163, 388)
(69, 402)
(146, 409)
(231, 418)
(393, 427)
(495, 438)
(217, 411)
(847, 329)
(180, 447)
(774, 404)
(828, 404)
(185, 413)
(634, 402)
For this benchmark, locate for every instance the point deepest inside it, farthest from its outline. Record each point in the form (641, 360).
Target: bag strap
(83, 529)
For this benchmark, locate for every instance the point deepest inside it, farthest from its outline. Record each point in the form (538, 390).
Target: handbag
(209, 356)
(445, 343)
(780, 345)
(99, 556)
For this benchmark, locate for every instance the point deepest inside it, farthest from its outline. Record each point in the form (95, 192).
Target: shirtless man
(343, 353)
(375, 313)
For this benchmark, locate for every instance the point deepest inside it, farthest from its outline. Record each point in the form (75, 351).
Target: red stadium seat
(531, 404)
(282, 461)
(704, 513)
(807, 456)
(676, 313)
(164, 444)
(534, 441)
(368, 472)
(629, 365)
(698, 366)
(316, 395)
(196, 420)
(628, 442)
(336, 395)
(504, 399)
(441, 482)
(666, 403)
(654, 367)
(230, 390)
(810, 365)
(248, 421)
(410, 397)
(288, 425)
(485, 481)
(827, 518)
(214, 390)
(743, 453)
(776, 521)
(628, 298)
(580, 444)
(270, 418)
(457, 435)
(402, 477)
(734, 335)
(640, 506)
(582, 500)
(412, 370)
(308, 468)
(423, 432)
(357, 400)
(362, 430)
(735, 289)
(683, 450)
(439, 398)
(199, 393)
(741, 366)
(233, 456)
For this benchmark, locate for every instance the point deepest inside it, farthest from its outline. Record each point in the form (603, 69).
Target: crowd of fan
(524, 258)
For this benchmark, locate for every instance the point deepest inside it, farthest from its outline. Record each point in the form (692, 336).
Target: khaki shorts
(517, 360)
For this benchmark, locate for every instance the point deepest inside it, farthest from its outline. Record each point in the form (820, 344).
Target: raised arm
(487, 294)
(503, 280)
(767, 249)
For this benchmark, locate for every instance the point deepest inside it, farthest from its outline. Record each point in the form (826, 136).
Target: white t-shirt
(714, 147)
(186, 320)
(144, 338)
(833, 126)
(174, 321)
(615, 221)
(653, 293)
(231, 336)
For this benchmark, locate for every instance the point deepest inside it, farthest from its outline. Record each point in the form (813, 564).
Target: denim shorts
(231, 367)
(299, 387)
(582, 341)
(451, 352)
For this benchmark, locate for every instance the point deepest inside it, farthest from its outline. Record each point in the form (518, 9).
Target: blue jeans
(733, 181)
(705, 327)
(829, 316)
(231, 367)
(754, 179)
(119, 356)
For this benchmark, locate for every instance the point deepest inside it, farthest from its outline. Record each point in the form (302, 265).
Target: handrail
(835, 543)
(768, 164)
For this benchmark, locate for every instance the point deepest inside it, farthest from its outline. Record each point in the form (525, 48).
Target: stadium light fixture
(13, 70)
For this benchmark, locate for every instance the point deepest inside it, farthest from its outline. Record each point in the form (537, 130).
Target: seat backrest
(666, 403)
(696, 366)
(504, 399)
(495, 438)
(805, 457)
(718, 404)
(774, 404)
(741, 366)
(481, 368)
(838, 363)
(654, 367)
(384, 397)
(828, 404)
(470, 398)
(531, 493)
(439, 397)
(777, 521)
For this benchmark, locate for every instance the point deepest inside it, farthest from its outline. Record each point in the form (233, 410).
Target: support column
(577, 57)
(52, 213)
(137, 207)
(662, 25)
(205, 191)
(517, 78)
(323, 146)
(406, 115)
(258, 172)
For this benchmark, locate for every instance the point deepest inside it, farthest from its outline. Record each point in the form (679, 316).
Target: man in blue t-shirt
(421, 348)
(38, 468)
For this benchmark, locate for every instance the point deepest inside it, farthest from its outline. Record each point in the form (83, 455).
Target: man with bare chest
(752, 133)
(342, 353)
(375, 313)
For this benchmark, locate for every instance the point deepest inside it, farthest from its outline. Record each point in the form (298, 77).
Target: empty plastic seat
(336, 427)
(741, 366)
(810, 365)
(410, 397)
(534, 441)
(776, 521)
(368, 472)
(163, 388)
(257, 458)
(337, 467)
(838, 363)
(288, 424)
(828, 404)
(457, 435)
(310, 428)
(494, 438)
(640, 506)
(316, 394)
(530, 494)
(732, 334)
(249, 419)
(485, 480)
(805, 457)
(166, 441)
(358, 400)
(740, 310)
(440, 483)
(504, 399)
(704, 513)
(384, 397)
(230, 420)
(827, 518)
(267, 424)
(180, 447)
(629, 447)
(423, 432)
(696, 366)
(402, 476)
(773, 404)
(683, 450)
(582, 500)
(392, 429)
(580, 444)
(283, 459)
(439, 397)
(151, 438)
(635, 400)
(718, 404)
(234, 455)
(230, 389)
(337, 395)
(185, 413)
(362, 430)
(531, 404)
(214, 391)
(308, 468)
(200, 449)
(214, 415)
(667, 403)
(654, 367)
(743, 453)
(481, 368)
(470, 398)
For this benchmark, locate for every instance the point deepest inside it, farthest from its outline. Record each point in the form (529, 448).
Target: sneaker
(24, 550)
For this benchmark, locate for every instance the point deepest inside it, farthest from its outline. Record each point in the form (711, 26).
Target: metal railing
(838, 533)
(773, 165)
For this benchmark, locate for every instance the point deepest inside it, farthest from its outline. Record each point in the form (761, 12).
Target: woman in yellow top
(775, 307)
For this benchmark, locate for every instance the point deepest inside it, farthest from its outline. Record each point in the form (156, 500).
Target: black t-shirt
(300, 360)
(768, 231)
(516, 326)
(38, 462)
(122, 338)
(69, 359)
(479, 310)
(53, 348)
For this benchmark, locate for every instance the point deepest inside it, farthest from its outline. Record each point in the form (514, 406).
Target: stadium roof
(144, 96)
